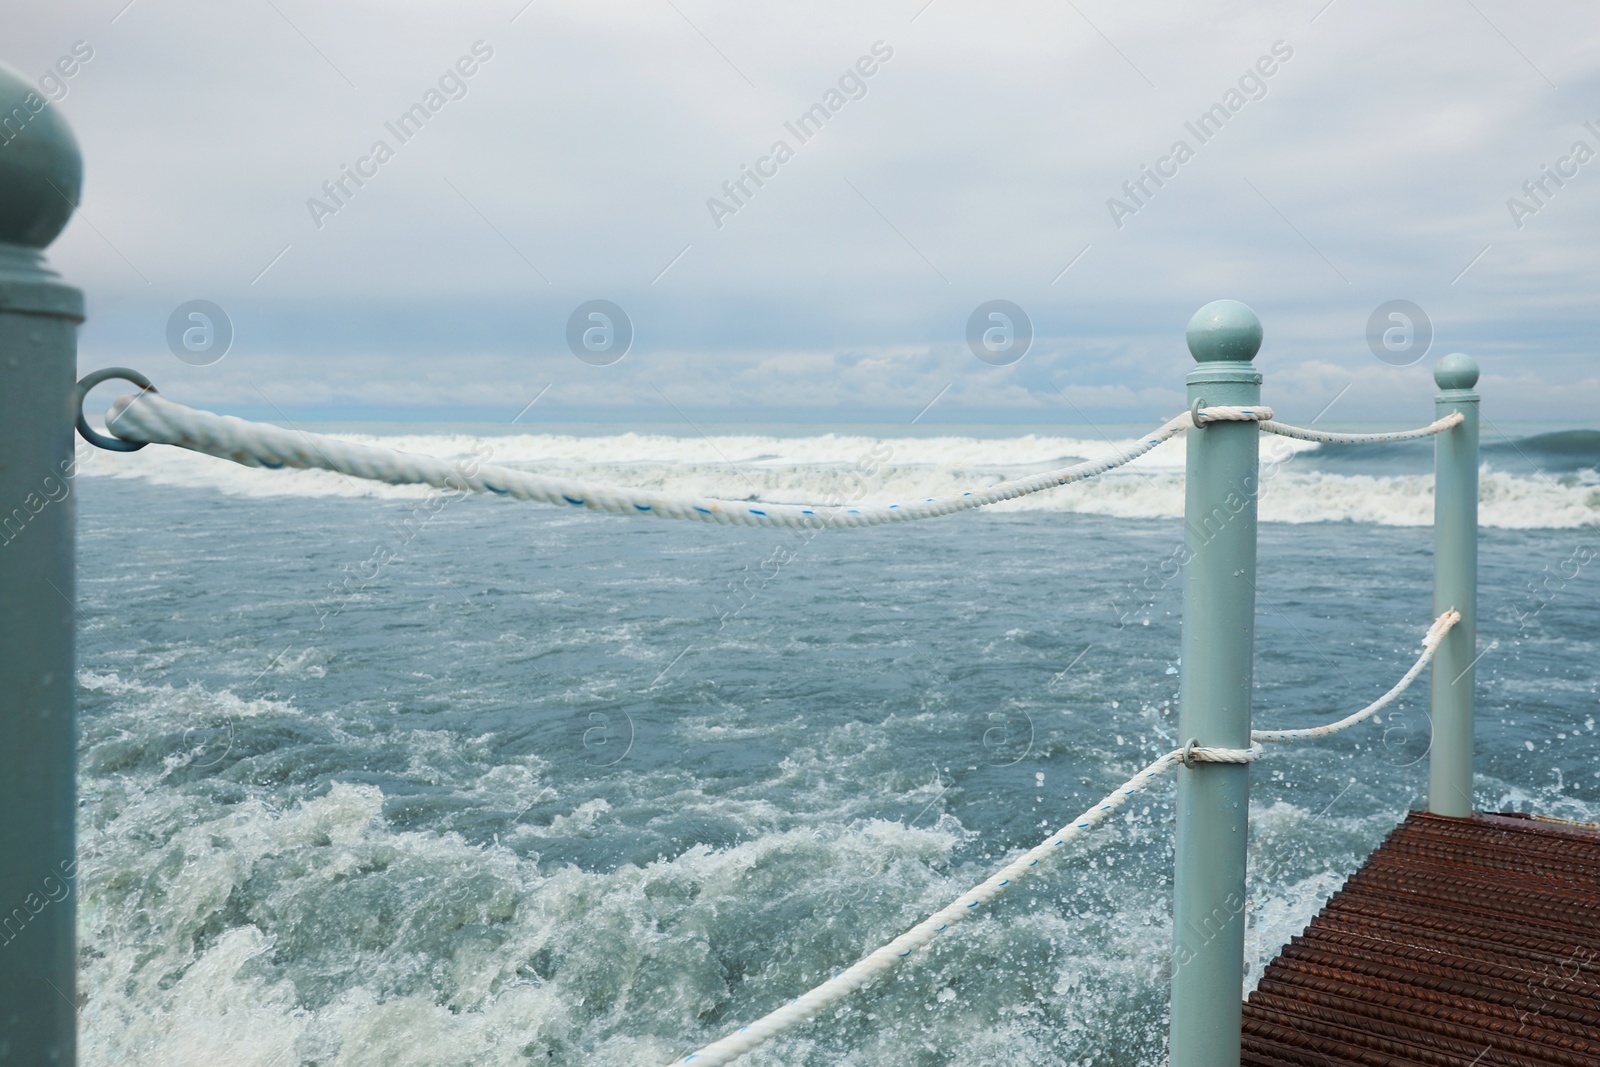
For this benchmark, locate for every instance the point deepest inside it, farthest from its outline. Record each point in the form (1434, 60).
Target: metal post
(1455, 585)
(40, 177)
(1218, 636)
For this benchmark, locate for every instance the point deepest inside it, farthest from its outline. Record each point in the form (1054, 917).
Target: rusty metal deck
(1459, 942)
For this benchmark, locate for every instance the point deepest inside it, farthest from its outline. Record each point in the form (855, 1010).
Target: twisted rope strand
(1328, 437)
(1430, 645)
(806, 1006)
(874, 964)
(151, 417)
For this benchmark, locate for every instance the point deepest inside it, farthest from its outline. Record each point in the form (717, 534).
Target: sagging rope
(874, 964)
(1430, 643)
(1328, 437)
(151, 418)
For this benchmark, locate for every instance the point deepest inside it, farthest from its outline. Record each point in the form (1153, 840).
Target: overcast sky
(978, 161)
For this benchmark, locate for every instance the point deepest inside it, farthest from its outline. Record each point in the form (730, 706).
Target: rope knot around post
(1200, 415)
(1440, 627)
(1194, 752)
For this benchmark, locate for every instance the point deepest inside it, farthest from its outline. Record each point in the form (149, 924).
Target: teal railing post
(1221, 481)
(40, 176)
(1455, 585)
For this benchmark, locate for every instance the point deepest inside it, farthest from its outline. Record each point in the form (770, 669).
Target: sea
(389, 775)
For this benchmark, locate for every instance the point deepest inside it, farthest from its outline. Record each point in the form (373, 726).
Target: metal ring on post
(1195, 411)
(1188, 752)
(89, 433)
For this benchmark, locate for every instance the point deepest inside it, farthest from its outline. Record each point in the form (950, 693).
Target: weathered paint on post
(1455, 585)
(1221, 482)
(40, 177)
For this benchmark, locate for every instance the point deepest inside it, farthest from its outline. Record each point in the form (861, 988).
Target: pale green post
(1218, 639)
(1455, 585)
(40, 176)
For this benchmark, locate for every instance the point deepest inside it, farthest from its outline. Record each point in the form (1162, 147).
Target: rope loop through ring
(81, 391)
(1197, 411)
(1188, 752)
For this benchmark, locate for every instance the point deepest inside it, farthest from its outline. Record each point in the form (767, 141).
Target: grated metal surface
(1459, 943)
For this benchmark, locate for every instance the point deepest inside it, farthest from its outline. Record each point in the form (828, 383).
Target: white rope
(151, 417)
(1301, 433)
(871, 966)
(1430, 644)
(806, 1006)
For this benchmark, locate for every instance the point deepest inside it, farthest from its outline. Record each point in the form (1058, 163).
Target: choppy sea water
(380, 776)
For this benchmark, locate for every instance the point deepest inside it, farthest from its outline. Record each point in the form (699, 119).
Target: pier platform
(1459, 943)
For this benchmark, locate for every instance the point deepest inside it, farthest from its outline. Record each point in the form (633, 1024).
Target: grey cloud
(978, 164)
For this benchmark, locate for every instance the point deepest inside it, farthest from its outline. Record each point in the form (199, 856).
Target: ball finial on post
(41, 170)
(1224, 330)
(1456, 371)
(1222, 473)
(1455, 587)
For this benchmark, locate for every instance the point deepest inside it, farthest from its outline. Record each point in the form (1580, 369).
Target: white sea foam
(269, 928)
(825, 467)
(253, 926)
